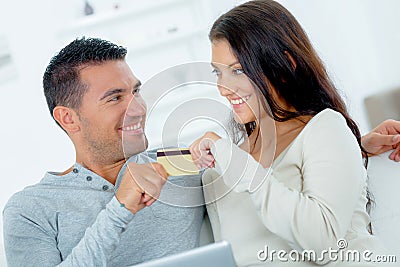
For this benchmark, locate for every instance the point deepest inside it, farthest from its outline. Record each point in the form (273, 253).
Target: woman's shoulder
(328, 126)
(326, 120)
(326, 116)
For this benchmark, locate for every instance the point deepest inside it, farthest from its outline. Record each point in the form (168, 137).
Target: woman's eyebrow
(230, 65)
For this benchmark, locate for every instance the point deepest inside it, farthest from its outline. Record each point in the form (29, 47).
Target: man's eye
(115, 98)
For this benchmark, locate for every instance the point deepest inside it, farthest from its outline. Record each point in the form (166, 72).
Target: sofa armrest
(384, 184)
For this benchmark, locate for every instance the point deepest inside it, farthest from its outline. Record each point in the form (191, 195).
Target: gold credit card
(177, 161)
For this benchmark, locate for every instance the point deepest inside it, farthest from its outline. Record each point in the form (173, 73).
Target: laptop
(213, 255)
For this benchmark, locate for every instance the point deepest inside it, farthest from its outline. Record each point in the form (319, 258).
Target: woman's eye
(238, 71)
(216, 72)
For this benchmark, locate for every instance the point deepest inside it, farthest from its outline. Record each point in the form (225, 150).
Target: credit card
(177, 161)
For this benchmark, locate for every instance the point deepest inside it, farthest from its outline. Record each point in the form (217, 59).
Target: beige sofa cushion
(382, 106)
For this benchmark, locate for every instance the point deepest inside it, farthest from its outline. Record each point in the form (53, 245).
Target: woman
(298, 180)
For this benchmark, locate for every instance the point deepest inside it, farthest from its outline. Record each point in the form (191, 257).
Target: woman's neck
(271, 138)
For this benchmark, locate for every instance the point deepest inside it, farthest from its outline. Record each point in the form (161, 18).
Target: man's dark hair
(61, 80)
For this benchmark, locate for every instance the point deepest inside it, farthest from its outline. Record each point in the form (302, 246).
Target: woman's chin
(242, 119)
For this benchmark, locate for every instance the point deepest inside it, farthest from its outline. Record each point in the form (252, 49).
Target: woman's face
(233, 84)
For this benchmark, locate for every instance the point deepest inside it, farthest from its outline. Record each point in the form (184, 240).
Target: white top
(313, 195)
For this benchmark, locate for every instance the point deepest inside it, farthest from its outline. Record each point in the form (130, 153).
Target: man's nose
(136, 107)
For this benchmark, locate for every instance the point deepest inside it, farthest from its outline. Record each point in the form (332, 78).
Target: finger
(386, 140)
(192, 150)
(145, 198)
(160, 170)
(147, 183)
(205, 145)
(392, 155)
(148, 203)
(205, 154)
(396, 139)
(209, 157)
(207, 161)
(196, 156)
(196, 150)
(395, 155)
(393, 125)
(201, 160)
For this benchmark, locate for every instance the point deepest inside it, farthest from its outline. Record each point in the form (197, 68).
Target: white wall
(357, 39)
(28, 140)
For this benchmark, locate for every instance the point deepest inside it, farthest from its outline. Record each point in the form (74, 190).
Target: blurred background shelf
(123, 12)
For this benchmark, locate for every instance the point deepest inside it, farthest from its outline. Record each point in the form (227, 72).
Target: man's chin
(131, 149)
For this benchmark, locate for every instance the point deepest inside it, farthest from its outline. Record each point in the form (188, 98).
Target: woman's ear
(291, 59)
(67, 118)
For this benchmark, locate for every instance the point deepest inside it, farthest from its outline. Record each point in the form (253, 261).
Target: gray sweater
(75, 220)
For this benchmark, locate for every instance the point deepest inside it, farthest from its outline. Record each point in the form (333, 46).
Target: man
(94, 213)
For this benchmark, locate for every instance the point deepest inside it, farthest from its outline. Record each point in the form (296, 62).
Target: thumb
(206, 144)
(387, 139)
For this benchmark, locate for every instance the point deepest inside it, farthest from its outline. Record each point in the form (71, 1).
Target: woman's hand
(385, 137)
(201, 150)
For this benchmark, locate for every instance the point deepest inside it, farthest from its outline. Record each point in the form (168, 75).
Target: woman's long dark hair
(266, 39)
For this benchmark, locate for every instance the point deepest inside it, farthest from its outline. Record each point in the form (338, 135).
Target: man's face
(111, 110)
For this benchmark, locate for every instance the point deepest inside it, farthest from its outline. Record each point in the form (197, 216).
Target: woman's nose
(226, 88)
(224, 91)
(226, 85)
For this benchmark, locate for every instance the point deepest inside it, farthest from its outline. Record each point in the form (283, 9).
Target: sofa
(384, 184)
(383, 105)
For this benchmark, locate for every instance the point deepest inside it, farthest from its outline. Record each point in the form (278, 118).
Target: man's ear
(291, 59)
(67, 118)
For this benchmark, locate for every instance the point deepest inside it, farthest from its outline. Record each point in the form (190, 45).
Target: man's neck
(107, 170)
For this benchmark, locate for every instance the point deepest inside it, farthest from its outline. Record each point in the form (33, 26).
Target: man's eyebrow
(230, 65)
(112, 92)
(117, 91)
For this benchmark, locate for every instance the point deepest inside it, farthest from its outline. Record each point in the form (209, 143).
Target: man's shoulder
(27, 197)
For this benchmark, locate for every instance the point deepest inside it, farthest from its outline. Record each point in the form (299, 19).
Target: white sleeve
(209, 176)
(333, 179)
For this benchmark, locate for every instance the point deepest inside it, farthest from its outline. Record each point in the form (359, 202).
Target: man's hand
(385, 137)
(200, 150)
(141, 185)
